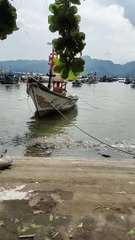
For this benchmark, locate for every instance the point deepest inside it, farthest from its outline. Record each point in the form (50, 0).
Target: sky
(109, 26)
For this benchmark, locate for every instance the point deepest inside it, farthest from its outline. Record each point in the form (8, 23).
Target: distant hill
(107, 67)
(27, 66)
(101, 67)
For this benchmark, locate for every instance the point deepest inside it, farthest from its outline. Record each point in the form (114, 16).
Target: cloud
(30, 41)
(128, 5)
(109, 32)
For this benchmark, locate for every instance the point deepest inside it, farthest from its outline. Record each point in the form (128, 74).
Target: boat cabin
(59, 86)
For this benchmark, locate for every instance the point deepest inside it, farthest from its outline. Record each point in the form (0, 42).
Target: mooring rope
(88, 134)
(89, 104)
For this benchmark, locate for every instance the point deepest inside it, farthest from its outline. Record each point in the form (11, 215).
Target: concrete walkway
(64, 198)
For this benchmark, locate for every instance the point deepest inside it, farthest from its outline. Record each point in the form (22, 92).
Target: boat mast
(51, 57)
(51, 63)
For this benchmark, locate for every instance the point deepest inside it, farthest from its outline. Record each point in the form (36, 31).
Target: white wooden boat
(48, 101)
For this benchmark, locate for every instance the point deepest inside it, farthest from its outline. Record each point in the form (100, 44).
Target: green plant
(7, 19)
(70, 43)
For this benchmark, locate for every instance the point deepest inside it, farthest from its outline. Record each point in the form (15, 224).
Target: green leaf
(73, 10)
(78, 18)
(16, 220)
(2, 223)
(36, 226)
(51, 19)
(75, 2)
(51, 218)
(57, 217)
(65, 72)
(52, 28)
(131, 233)
(71, 76)
(59, 44)
(80, 225)
(78, 35)
(59, 68)
(56, 61)
(24, 229)
(78, 65)
(53, 8)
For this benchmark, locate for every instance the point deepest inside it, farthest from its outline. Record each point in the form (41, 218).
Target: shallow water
(104, 110)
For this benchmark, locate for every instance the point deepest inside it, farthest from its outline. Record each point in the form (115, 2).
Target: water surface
(104, 110)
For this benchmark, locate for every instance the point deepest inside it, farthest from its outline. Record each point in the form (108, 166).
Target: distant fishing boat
(77, 83)
(9, 79)
(128, 80)
(92, 78)
(51, 98)
(133, 85)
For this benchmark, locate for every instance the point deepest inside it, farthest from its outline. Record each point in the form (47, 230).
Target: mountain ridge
(101, 67)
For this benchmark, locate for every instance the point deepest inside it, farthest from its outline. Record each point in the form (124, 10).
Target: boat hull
(46, 101)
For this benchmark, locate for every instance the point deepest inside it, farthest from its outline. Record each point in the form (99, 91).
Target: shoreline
(68, 198)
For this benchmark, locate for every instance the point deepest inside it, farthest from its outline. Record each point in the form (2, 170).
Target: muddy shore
(64, 198)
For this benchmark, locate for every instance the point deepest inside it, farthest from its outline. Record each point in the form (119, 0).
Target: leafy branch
(70, 43)
(8, 18)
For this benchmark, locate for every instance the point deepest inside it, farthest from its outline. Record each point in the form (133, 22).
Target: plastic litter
(5, 160)
(27, 236)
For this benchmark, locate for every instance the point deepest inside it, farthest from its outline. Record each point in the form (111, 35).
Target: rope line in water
(89, 104)
(88, 134)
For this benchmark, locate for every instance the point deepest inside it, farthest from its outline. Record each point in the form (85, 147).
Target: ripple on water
(104, 111)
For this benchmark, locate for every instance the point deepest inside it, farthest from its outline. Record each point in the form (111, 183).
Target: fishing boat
(9, 79)
(48, 101)
(128, 80)
(51, 98)
(77, 83)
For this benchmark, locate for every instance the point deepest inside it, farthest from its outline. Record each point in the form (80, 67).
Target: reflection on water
(51, 124)
(104, 110)
(9, 87)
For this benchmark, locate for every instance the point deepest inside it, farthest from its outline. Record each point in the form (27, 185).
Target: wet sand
(68, 199)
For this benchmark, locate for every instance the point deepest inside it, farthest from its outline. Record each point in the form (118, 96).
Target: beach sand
(64, 198)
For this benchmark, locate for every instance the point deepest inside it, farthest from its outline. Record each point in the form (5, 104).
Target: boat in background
(128, 80)
(133, 83)
(106, 78)
(92, 78)
(77, 83)
(9, 79)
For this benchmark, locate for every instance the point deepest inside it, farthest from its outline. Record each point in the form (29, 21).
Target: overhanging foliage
(7, 19)
(70, 43)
